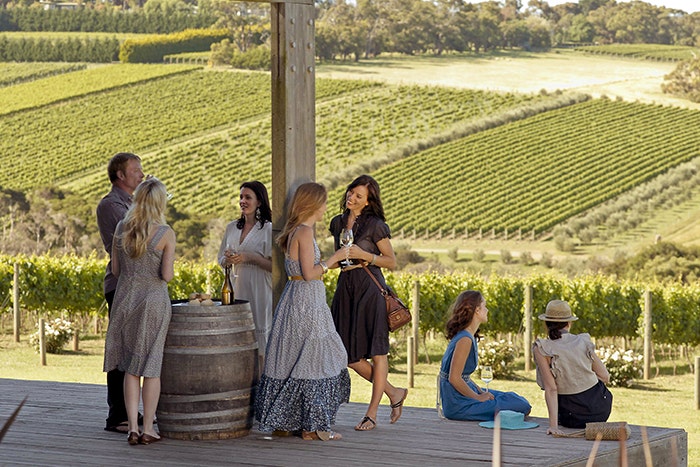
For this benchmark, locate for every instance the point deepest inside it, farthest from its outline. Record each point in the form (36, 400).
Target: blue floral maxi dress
(456, 406)
(305, 378)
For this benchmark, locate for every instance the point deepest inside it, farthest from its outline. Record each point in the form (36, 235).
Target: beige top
(571, 362)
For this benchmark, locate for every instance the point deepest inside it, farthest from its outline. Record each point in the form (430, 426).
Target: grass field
(666, 400)
(515, 71)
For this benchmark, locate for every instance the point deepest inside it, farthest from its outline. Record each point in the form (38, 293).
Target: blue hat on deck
(511, 420)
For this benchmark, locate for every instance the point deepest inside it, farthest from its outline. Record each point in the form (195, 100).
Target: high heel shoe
(133, 438)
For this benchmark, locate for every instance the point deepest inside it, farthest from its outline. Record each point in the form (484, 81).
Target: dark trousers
(115, 385)
(591, 405)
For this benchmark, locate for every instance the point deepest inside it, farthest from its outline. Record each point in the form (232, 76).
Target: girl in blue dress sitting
(460, 397)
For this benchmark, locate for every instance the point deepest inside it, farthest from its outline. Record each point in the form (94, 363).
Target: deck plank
(61, 424)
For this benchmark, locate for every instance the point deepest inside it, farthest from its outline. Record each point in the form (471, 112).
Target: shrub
(500, 355)
(57, 333)
(624, 366)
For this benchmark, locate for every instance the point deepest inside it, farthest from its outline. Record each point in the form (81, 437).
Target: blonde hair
(308, 198)
(148, 207)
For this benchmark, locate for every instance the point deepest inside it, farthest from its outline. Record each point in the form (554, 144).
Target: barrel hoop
(209, 350)
(181, 398)
(170, 416)
(210, 332)
(211, 427)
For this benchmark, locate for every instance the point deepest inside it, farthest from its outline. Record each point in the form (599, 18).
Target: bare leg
(366, 370)
(377, 372)
(132, 394)
(151, 394)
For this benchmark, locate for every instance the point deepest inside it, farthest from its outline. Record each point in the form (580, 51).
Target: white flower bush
(499, 355)
(57, 333)
(624, 366)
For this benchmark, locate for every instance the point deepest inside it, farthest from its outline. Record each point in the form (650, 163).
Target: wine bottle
(227, 287)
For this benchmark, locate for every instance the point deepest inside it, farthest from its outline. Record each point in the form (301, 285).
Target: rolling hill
(448, 159)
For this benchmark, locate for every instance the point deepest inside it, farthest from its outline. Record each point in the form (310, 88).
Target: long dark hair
(374, 201)
(261, 194)
(554, 328)
(462, 312)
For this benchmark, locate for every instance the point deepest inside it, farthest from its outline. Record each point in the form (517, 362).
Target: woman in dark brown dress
(358, 308)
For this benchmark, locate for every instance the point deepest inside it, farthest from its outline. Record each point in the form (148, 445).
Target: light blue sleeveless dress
(456, 406)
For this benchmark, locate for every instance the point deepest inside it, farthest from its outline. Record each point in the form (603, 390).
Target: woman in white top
(571, 374)
(247, 245)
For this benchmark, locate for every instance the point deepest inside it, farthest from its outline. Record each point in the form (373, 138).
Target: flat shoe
(399, 406)
(133, 438)
(364, 420)
(148, 439)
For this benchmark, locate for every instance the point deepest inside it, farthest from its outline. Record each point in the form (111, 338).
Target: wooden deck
(62, 424)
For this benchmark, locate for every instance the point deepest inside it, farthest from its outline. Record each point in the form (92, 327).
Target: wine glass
(486, 375)
(346, 239)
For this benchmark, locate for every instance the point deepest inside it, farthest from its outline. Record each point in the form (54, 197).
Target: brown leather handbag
(397, 313)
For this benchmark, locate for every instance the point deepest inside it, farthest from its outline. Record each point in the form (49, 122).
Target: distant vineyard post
(647, 334)
(527, 340)
(293, 111)
(15, 302)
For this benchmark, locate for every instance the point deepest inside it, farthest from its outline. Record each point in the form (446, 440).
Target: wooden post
(76, 340)
(647, 334)
(293, 113)
(697, 383)
(415, 321)
(42, 342)
(409, 361)
(15, 302)
(527, 344)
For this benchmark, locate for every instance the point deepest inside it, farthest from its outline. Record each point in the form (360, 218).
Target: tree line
(366, 28)
(353, 29)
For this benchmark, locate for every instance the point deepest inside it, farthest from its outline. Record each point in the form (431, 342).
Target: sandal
(362, 427)
(399, 406)
(321, 435)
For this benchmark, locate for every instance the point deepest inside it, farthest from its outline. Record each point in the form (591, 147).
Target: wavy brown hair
(308, 198)
(462, 312)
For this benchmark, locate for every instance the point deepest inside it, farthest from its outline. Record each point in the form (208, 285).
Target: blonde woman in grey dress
(143, 253)
(305, 378)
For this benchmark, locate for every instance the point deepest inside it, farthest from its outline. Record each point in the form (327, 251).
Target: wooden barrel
(209, 372)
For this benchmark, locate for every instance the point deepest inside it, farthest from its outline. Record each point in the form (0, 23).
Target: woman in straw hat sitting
(572, 375)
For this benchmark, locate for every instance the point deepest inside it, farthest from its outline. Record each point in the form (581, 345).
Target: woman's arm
(224, 259)
(459, 359)
(386, 259)
(167, 263)
(250, 257)
(304, 241)
(599, 369)
(550, 391)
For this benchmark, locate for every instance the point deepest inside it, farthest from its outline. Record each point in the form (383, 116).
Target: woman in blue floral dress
(305, 378)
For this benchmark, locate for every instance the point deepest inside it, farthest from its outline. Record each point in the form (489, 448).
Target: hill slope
(446, 158)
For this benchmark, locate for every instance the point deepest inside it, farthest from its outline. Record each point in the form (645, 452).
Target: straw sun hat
(558, 311)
